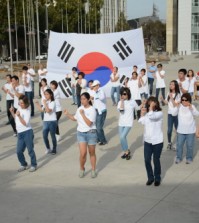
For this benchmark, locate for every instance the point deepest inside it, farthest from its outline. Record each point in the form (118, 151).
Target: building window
(195, 42)
(195, 2)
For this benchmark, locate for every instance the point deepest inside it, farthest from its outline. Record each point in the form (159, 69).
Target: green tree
(122, 23)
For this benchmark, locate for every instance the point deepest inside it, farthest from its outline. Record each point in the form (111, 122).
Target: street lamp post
(10, 40)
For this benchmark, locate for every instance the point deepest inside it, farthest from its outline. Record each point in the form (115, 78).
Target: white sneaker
(15, 134)
(33, 169)
(58, 137)
(22, 168)
(177, 161)
(47, 151)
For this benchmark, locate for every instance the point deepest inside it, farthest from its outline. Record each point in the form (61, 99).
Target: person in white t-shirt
(90, 88)
(160, 83)
(42, 74)
(25, 134)
(72, 77)
(26, 80)
(43, 88)
(144, 89)
(182, 81)
(32, 74)
(152, 119)
(186, 128)
(86, 132)
(192, 80)
(126, 108)
(49, 121)
(9, 99)
(173, 98)
(81, 84)
(54, 88)
(115, 85)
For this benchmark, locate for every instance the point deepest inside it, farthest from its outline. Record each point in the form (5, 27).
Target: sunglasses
(184, 100)
(124, 93)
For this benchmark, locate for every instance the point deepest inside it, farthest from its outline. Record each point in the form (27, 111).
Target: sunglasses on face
(184, 99)
(124, 93)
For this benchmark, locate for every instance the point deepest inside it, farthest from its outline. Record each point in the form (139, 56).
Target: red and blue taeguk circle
(96, 66)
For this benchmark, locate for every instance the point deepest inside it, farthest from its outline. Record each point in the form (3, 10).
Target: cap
(95, 82)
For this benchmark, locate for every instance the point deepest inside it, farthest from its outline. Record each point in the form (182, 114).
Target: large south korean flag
(95, 55)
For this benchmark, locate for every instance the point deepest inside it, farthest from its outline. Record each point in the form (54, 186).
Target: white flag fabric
(95, 55)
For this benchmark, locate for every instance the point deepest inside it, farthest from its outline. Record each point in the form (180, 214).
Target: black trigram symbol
(122, 49)
(65, 87)
(123, 79)
(65, 52)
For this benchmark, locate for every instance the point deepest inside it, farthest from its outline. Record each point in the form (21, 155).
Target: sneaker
(81, 173)
(47, 151)
(93, 174)
(15, 134)
(102, 143)
(53, 152)
(58, 137)
(173, 147)
(169, 146)
(177, 161)
(22, 168)
(33, 169)
(188, 161)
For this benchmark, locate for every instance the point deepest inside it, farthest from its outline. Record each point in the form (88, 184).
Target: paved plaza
(55, 193)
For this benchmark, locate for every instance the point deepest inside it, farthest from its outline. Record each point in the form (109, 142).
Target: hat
(95, 82)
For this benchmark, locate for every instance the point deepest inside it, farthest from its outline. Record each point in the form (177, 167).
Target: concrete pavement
(55, 193)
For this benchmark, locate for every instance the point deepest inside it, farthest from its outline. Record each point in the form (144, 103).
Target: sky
(140, 8)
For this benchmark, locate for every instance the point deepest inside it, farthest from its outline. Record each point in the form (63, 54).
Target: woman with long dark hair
(152, 118)
(86, 132)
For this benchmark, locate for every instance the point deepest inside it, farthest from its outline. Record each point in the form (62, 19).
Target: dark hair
(116, 68)
(54, 83)
(91, 81)
(82, 74)
(154, 99)
(187, 96)
(177, 90)
(184, 71)
(144, 70)
(25, 100)
(135, 73)
(191, 71)
(44, 80)
(74, 69)
(135, 66)
(9, 75)
(127, 90)
(49, 91)
(24, 68)
(15, 77)
(87, 96)
(159, 65)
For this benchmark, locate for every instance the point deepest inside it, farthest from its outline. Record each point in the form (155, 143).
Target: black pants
(9, 104)
(12, 122)
(139, 102)
(58, 114)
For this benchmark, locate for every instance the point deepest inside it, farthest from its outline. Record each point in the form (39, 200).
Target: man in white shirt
(42, 74)
(99, 103)
(9, 99)
(72, 77)
(182, 81)
(115, 83)
(32, 74)
(26, 79)
(160, 83)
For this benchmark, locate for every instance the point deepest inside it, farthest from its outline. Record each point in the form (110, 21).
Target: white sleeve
(155, 115)
(92, 117)
(27, 117)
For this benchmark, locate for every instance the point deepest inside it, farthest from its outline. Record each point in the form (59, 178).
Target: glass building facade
(195, 26)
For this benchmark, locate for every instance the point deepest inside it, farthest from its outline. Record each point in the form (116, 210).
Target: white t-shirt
(28, 88)
(186, 121)
(42, 93)
(144, 88)
(134, 88)
(191, 84)
(170, 104)
(185, 85)
(73, 77)
(57, 100)
(40, 72)
(90, 113)
(116, 83)
(127, 116)
(20, 89)
(99, 101)
(52, 115)
(8, 86)
(32, 72)
(91, 92)
(25, 114)
(160, 83)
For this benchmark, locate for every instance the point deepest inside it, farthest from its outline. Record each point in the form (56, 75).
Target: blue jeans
(74, 94)
(25, 139)
(156, 151)
(158, 91)
(123, 132)
(117, 90)
(29, 95)
(50, 126)
(172, 120)
(190, 140)
(150, 83)
(100, 119)
(78, 97)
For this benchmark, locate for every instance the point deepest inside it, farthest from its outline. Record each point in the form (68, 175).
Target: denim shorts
(89, 137)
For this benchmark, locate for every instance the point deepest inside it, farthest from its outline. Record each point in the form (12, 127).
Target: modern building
(110, 14)
(183, 26)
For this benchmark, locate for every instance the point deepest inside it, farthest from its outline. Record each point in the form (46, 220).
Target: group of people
(134, 100)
